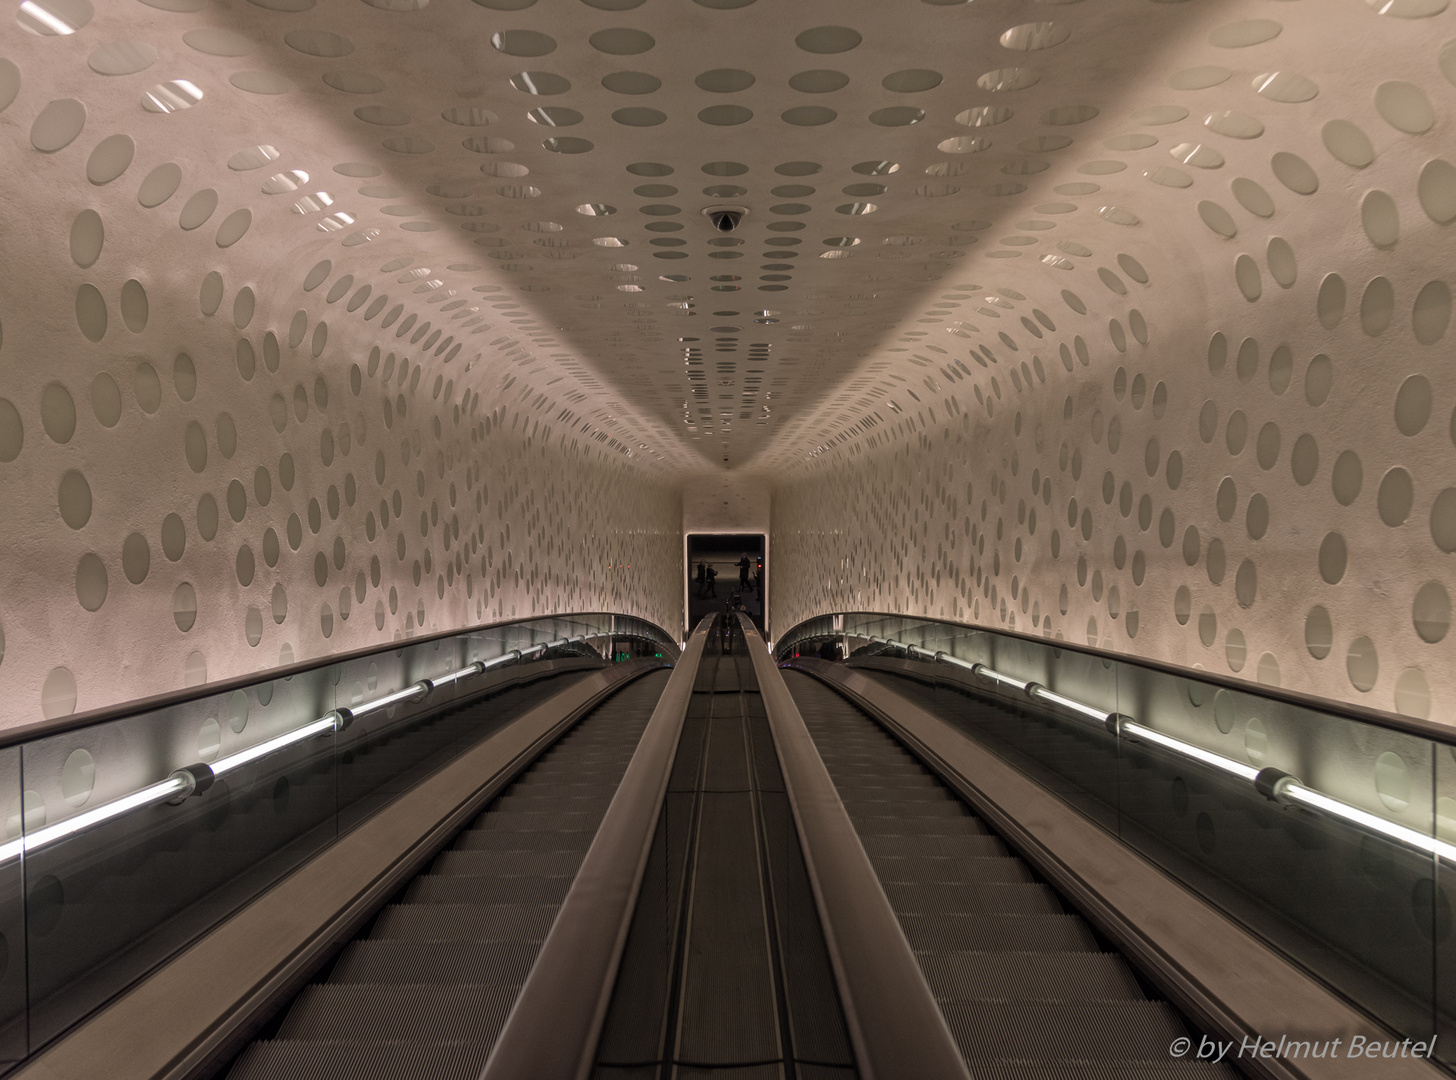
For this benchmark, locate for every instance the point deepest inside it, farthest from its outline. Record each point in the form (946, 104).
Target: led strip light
(197, 778)
(1273, 784)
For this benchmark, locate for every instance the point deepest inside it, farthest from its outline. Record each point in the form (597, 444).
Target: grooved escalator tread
(402, 1059)
(1024, 986)
(425, 993)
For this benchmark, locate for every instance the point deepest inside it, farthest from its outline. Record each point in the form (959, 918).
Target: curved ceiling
(914, 175)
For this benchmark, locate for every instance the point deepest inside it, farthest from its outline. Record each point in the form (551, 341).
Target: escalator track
(425, 989)
(1024, 984)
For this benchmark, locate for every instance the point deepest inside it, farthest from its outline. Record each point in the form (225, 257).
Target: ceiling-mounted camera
(725, 218)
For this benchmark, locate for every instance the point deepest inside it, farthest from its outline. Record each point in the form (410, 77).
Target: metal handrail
(1363, 714)
(1274, 784)
(196, 778)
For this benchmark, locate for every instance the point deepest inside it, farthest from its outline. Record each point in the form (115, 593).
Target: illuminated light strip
(1208, 757)
(1283, 788)
(252, 753)
(1097, 716)
(420, 690)
(1296, 792)
(184, 782)
(169, 788)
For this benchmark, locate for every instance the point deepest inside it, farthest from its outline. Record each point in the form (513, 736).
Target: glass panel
(14, 1027)
(142, 833)
(107, 903)
(1362, 903)
(1352, 906)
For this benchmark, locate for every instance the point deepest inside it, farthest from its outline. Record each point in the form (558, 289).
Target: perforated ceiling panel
(1184, 265)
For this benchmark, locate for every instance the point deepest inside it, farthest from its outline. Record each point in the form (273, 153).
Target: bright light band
(1178, 746)
(169, 788)
(263, 749)
(418, 691)
(1298, 793)
(1281, 788)
(1041, 693)
(183, 782)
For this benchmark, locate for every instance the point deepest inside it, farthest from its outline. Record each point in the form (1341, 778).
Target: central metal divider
(726, 967)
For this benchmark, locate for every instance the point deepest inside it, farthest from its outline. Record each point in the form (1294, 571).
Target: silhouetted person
(743, 565)
(712, 576)
(829, 651)
(702, 579)
(758, 582)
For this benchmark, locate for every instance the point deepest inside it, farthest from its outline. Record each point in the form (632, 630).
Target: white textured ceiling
(538, 170)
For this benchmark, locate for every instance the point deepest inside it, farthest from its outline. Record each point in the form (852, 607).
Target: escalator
(733, 957)
(1025, 986)
(426, 988)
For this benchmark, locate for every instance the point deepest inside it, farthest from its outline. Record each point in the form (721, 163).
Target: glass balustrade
(1327, 830)
(129, 834)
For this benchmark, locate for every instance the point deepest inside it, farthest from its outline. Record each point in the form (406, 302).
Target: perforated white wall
(240, 471)
(1220, 431)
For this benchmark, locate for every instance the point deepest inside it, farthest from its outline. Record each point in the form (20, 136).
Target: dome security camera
(725, 218)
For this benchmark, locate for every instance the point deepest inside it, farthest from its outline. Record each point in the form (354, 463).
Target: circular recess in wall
(78, 777)
(160, 185)
(1347, 477)
(91, 582)
(618, 41)
(173, 96)
(1319, 632)
(136, 558)
(1405, 107)
(1285, 86)
(57, 125)
(112, 156)
(57, 698)
(1295, 173)
(198, 209)
(1436, 189)
(1332, 558)
(1431, 314)
(54, 18)
(122, 58)
(218, 41)
(209, 739)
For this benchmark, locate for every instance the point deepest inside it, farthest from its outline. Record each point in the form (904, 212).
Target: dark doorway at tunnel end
(725, 570)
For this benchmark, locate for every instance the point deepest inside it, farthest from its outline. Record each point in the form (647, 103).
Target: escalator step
(547, 862)
(407, 1059)
(464, 922)
(921, 870)
(995, 1031)
(949, 847)
(370, 1012)
(524, 889)
(501, 840)
(492, 963)
(954, 898)
(1035, 976)
(951, 934)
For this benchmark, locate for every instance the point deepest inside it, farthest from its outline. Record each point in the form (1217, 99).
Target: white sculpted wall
(1226, 436)
(212, 463)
